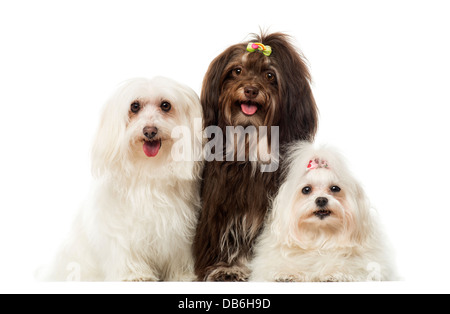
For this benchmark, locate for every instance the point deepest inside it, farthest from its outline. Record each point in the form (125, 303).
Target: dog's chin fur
(139, 221)
(235, 196)
(297, 245)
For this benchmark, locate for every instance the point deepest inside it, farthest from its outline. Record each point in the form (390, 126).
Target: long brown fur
(235, 197)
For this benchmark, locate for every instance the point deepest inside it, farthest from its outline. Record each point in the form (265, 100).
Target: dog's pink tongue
(151, 149)
(249, 110)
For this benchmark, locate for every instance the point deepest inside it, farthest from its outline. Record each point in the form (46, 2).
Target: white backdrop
(381, 75)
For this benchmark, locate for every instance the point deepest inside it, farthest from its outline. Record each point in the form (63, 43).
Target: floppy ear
(212, 85)
(107, 150)
(192, 167)
(299, 116)
(363, 211)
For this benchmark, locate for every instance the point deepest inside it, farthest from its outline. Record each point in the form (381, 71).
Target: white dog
(321, 227)
(139, 221)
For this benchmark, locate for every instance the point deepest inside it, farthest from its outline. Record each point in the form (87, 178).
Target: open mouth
(152, 148)
(249, 108)
(322, 213)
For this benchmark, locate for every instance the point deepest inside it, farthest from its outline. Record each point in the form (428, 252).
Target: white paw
(289, 278)
(338, 277)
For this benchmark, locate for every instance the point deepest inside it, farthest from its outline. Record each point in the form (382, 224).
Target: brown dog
(264, 83)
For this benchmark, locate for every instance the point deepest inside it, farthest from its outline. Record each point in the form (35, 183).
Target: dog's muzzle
(323, 212)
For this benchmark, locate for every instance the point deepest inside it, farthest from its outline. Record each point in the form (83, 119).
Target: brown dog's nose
(150, 132)
(251, 92)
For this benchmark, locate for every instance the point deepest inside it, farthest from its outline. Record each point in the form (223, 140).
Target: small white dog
(139, 221)
(321, 227)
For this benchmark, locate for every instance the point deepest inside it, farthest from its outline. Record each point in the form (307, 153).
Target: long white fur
(139, 221)
(297, 246)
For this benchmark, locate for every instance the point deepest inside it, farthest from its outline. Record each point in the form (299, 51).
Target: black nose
(150, 132)
(321, 201)
(251, 92)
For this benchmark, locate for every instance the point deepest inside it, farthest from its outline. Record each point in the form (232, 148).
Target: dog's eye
(335, 189)
(237, 71)
(307, 190)
(166, 106)
(270, 76)
(135, 107)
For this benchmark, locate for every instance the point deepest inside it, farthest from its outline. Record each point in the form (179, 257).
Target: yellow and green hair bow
(265, 50)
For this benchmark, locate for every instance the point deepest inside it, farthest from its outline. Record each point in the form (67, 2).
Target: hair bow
(265, 50)
(316, 164)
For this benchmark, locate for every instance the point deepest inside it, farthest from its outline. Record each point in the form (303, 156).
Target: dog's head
(246, 86)
(137, 124)
(321, 203)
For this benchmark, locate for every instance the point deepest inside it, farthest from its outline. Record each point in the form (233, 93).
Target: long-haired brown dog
(264, 83)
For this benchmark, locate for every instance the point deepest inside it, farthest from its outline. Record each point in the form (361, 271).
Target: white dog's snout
(149, 124)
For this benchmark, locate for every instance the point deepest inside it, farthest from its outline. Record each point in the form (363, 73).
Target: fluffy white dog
(139, 222)
(321, 227)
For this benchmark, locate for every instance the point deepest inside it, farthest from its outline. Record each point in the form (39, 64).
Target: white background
(381, 74)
